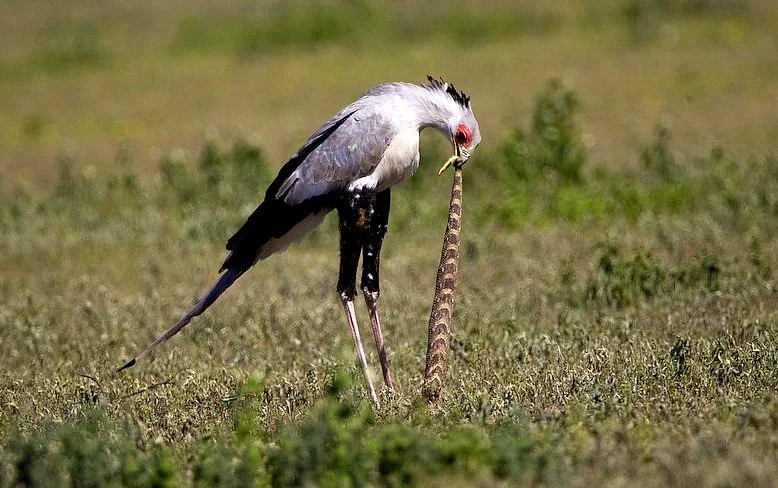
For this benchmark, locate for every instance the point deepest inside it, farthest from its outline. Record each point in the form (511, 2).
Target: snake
(439, 329)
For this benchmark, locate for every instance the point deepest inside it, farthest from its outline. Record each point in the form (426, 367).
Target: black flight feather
(224, 282)
(272, 219)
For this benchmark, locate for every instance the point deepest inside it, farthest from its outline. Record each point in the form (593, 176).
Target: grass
(616, 314)
(575, 375)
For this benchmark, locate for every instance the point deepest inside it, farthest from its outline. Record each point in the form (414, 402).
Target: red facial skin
(462, 135)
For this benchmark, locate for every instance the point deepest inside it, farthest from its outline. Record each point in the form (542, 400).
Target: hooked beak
(459, 158)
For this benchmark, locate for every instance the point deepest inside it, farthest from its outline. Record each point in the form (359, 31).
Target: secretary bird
(350, 164)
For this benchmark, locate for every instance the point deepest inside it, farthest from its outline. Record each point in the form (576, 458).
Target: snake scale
(439, 331)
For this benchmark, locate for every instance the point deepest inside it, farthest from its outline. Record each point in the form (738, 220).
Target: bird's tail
(225, 281)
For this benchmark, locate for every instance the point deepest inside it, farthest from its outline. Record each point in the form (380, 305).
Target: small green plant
(624, 280)
(240, 172)
(91, 452)
(657, 156)
(179, 177)
(542, 169)
(72, 184)
(577, 204)
(250, 171)
(325, 450)
(762, 268)
(295, 25)
(703, 270)
(620, 281)
(313, 23)
(646, 18)
(213, 164)
(680, 353)
(552, 144)
(230, 466)
(299, 25)
(486, 24)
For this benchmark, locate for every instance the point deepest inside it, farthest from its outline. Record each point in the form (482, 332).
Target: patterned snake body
(439, 332)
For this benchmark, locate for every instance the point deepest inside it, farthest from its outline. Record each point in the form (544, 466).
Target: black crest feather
(458, 96)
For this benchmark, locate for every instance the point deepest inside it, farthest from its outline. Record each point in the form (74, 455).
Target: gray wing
(351, 151)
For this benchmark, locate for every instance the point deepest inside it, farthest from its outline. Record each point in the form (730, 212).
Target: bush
(91, 452)
(326, 450)
(553, 143)
(620, 281)
(542, 169)
(226, 175)
(623, 280)
(230, 466)
(657, 157)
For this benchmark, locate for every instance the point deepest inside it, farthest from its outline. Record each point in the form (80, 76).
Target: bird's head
(465, 136)
(461, 126)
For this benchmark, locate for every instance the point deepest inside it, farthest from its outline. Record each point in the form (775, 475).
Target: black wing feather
(314, 142)
(273, 218)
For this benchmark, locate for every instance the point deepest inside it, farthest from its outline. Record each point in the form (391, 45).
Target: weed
(326, 450)
(763, 269)
(230, 466)
(623, 280)
(179, 177)
(542, 169)
(483, 25)
(91, 452)
(679, 354)
(226, 175)
(657, 156)
(305, 25)
(704, 270)
(290, 25)
(552, 144)
(309, 24)
(72, 183)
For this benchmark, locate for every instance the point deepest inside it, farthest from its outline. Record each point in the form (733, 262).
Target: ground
(615, 320)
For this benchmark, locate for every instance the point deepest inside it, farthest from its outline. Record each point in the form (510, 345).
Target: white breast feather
(400, 160)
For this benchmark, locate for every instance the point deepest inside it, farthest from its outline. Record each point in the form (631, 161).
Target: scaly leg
(348, 306)
(371, 255)
(371, 299)
(351, 219)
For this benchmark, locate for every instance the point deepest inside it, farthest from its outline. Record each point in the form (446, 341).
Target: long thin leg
(348, 305)
(371, 299)
(352, 217)
(371, 256)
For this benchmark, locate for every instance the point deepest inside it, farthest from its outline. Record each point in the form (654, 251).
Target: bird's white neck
(433, 108)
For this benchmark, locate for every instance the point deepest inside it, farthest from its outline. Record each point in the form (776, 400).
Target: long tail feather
(225, 281)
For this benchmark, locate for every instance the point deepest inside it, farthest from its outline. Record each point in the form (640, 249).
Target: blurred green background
(616, 316)
(83, 78)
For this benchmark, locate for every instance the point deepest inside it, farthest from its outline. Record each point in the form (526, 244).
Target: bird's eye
(462, 135)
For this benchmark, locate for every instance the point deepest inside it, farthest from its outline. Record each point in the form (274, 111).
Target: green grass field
(616, 321)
